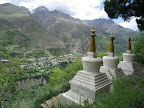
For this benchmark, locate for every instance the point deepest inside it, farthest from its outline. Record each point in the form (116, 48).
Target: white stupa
(110, 63)
(128, 65)
(89, 82)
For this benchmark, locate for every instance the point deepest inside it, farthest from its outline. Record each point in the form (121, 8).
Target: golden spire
(129, 43)
(93, 28)
(92, 44)
(111, 46)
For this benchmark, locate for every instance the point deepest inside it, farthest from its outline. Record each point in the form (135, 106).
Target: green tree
(126, 9)
(60, 76)
(138, 47)
(9, 72)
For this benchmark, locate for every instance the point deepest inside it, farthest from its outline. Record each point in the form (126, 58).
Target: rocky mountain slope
(18, 26)
(110, 26)
(44, 29)
(74, 32)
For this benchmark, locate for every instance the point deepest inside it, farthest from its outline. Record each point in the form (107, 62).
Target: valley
(50, 45)
(47, 39)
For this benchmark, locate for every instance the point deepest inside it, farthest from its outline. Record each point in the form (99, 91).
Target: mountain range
(44, 29)
(110, 26)
(16, 19)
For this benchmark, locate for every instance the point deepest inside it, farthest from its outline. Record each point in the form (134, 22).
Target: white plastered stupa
(89, 82)
(110, 63)
(128, 65)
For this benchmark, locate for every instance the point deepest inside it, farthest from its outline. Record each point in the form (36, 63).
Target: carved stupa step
(103, 85)
(88, 84)
(86, 80)
(102, 82)
(90, 75)
(119, 72)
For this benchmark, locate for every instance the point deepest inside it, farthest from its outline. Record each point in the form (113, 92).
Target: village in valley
(51, 61)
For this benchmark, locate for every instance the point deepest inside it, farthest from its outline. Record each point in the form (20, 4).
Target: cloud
(83, 9)
(131, 24)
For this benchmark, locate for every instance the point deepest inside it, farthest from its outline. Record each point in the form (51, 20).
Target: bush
(59, 76)
(138, 47)
(101, 54)
(33, 98)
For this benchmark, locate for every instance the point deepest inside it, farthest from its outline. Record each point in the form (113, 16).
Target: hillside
(44, 29)
(74, 32)
(110, 26)
(24, 27)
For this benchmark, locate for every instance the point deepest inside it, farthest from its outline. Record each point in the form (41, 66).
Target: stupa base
(111, 73)
(130, 68)
(86, 85)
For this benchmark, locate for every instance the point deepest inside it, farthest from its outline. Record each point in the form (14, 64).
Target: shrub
(138, 47)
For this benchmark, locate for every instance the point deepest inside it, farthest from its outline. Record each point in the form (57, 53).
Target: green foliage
(101, 54)
(13, 36)
(9, 71)
(52, 92)
(63, 64)
(36, 54)
(121, 57)
(58, 51)
(138, 47)
(124, 95)
(60, 76)
(126, 9)
(33, 98)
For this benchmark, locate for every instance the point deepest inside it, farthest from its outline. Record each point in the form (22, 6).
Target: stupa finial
(128, 51)
(93, 28)
(92, 44)
(129, 43)
(111, 46)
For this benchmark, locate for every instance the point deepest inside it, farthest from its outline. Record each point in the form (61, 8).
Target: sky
(82, 9)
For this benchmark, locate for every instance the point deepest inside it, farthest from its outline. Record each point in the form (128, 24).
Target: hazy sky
(82, 9)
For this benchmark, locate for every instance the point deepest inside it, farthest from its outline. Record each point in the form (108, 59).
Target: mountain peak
(56, 11)
(41, 9)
